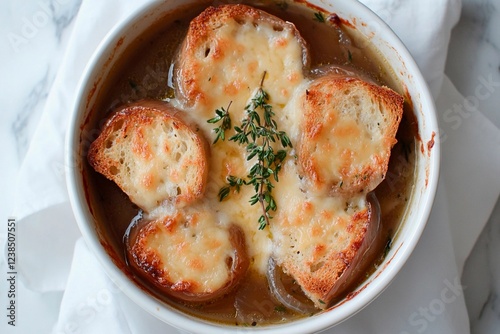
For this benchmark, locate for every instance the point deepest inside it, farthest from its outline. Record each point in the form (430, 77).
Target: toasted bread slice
(188, 254)
(228, 51)
(325, 244)
(348, 130)
(151, 154)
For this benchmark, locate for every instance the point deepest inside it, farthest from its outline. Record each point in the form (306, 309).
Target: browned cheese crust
(151, 154)
(348, 130)
(318, 241)
(226, 51)
(188, 255)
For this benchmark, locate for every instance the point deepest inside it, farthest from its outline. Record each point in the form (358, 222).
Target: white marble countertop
(35, 35)
(474, 55)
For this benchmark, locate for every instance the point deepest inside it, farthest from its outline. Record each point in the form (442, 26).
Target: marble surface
(35, 34)
(474, 60)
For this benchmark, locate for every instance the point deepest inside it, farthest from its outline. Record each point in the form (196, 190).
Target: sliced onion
(279, 292)
(334, 70)
(366, 253)
(338, 71)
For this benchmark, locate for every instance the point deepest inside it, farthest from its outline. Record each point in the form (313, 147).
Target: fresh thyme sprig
(221, 114)
(258, 131)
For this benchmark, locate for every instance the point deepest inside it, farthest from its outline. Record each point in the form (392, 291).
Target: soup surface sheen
(145, 71)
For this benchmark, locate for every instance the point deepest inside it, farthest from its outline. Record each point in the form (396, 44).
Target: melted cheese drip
(257, 50)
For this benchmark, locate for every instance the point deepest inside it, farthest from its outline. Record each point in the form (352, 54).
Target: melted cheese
(239, 55)
(343, 144)
(306, 225)
(226, 73)
(189, 247)
(151, 175)
(234, 62)
(348, 131)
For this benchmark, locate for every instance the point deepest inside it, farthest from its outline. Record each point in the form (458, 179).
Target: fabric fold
(468, 139)
(425, 29)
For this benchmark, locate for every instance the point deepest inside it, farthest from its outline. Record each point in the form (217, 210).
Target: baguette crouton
(326, 245)
(188, 255)
(227, 52)
(151, 154)
(348, 131)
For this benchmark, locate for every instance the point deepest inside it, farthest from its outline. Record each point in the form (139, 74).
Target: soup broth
(145, 71)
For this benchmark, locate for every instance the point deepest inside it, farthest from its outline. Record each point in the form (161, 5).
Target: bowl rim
(183, 321)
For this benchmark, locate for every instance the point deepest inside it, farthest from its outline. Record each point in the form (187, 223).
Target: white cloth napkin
(425, 297)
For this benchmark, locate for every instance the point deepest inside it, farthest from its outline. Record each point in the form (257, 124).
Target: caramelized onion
(365, 256)
(274, 278)
(339, 70)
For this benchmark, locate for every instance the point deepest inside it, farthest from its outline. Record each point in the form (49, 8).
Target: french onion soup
(253, 161)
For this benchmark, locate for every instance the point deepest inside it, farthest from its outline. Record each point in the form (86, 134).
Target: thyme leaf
(388, 246)
(318, 16)
(221, 115)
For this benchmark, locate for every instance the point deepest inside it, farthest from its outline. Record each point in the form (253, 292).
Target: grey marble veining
(32, 37)
(29, 111)
(63, 13)
(482, 278)
(474, 54)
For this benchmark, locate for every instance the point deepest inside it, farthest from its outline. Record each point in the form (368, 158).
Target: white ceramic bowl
(415, 217)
